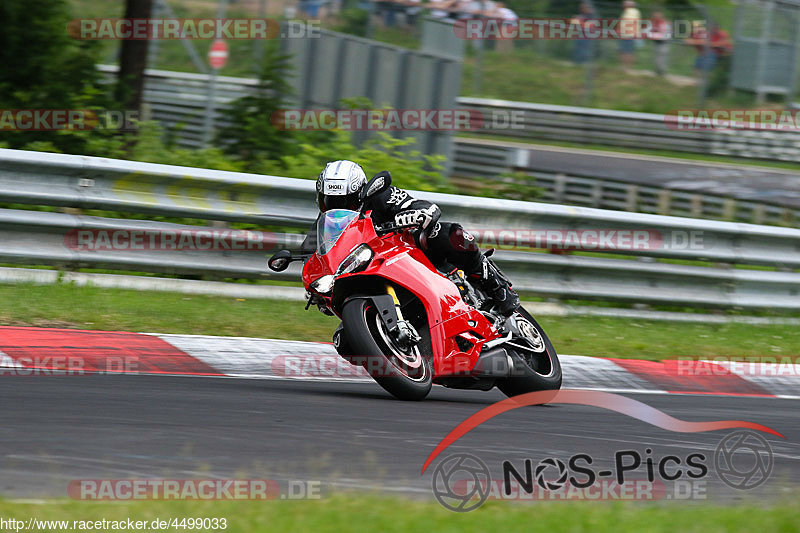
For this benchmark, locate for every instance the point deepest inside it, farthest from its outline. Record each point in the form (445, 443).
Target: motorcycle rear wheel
(533, 372)
(406, 375)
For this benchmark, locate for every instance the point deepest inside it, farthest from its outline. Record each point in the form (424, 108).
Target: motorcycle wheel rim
(542, 356)
(400, 360)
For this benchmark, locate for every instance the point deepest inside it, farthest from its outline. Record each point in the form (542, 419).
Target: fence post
(211, 105)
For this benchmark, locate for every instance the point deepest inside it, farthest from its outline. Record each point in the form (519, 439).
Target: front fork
(403, 333)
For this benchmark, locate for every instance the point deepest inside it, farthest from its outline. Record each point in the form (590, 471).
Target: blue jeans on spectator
(580, 54)
(626, 46)
(705, 60)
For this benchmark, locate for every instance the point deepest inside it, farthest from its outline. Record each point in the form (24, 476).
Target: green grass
(524, 75)
(70, 306)
(367, 512)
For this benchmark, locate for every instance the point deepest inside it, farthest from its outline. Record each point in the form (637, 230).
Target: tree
(43, 67)
(133, 60)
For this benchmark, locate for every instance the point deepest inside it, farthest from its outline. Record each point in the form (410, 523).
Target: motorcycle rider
(446, 244)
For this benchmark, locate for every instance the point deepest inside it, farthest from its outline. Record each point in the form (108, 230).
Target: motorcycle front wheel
(405, 374)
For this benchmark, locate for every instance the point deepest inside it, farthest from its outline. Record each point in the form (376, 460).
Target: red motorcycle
(410, 325)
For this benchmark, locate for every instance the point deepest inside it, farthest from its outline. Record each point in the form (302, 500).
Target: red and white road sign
(218, 54)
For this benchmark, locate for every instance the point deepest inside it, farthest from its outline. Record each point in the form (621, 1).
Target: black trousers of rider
(450, 246)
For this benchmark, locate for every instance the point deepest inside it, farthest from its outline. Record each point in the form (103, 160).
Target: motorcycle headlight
(357, 260)
(323, 285)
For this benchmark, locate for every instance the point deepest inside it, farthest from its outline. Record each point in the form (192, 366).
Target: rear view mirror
(378, 184)
(280, 261)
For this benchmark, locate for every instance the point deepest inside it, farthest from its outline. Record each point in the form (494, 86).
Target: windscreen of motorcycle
(331, 227)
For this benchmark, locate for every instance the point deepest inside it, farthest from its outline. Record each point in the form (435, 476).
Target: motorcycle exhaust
(494, 363)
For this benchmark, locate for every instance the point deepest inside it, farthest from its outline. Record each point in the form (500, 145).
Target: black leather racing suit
(446, 244)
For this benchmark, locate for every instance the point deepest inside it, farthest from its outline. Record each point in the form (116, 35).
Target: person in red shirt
(709, 48)
(660, 33)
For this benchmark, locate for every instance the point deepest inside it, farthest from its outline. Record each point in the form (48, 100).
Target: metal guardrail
(41, 238)
(633, 130)
(479, 159)
(178, 100)
(36, 237)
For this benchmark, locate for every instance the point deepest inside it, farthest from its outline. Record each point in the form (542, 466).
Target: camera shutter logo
(551, 483)
(743, 460)
(454, 470)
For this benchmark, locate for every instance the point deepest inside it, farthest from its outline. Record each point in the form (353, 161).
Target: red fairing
(398, 260)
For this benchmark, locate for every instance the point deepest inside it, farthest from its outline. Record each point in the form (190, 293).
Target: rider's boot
(489, 279)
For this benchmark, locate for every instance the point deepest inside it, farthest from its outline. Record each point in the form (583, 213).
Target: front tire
(403, 374)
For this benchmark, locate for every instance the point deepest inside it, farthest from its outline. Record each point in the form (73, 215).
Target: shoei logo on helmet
(332, 187)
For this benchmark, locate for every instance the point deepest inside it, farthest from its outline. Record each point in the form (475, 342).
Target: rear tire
(533, 372)
(366, 336)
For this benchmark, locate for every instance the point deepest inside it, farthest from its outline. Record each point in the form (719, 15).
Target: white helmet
(339, 185)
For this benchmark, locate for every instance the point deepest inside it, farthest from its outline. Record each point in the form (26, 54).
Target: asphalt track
(54, 429)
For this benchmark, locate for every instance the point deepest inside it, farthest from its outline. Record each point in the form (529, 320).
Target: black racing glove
(423, 218)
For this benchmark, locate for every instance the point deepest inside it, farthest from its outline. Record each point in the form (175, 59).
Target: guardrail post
(696, 203)
(729, 209)
(559, 188)
(631, 197)
(597, 193)
(664, 200)
(758, 214)
(787, 217)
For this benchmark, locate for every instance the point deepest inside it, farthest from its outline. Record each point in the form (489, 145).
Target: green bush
(353, 21)
(410, 169)
(252, 137)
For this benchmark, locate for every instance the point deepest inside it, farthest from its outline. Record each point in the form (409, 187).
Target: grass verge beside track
(366, 512)
(69, 306)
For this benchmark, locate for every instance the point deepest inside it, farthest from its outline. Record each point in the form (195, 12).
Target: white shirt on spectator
(630, 30)
(506, 14)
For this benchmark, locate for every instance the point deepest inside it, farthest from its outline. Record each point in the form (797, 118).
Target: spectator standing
(510, 20)
(629, 32)
(660, 34)
(710, 47)
(585, 19)
(441, 9)
(505, 14)
(310, 8)
(413, 9)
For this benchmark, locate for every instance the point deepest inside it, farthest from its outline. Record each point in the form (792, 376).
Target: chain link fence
(700, 55)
